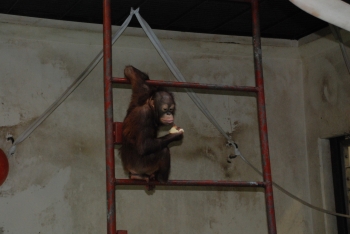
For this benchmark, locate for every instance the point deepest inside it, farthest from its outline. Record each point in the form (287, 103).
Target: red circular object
(4, 167)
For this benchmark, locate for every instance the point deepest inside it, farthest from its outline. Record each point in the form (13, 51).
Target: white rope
(69, 90)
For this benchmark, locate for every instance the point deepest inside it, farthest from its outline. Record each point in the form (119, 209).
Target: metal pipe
(271, 220)
(108, 107)
(212, 183)
(191, 85)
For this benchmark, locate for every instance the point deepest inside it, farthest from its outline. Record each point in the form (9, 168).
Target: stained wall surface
(327, 114)
(57, 175)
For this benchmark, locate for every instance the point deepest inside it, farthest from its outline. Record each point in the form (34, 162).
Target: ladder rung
(212, 183)
(250, 89)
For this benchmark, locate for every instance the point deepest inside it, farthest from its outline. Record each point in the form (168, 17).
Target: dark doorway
(340, 158)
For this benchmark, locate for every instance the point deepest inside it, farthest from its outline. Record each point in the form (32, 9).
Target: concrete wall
(57, 176)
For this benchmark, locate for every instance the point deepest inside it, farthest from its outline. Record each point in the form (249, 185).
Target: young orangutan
(144, 155)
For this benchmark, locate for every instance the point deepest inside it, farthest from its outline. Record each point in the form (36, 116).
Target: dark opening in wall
(340, 157)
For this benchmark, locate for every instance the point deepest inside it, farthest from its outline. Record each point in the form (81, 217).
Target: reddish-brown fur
(144, 155)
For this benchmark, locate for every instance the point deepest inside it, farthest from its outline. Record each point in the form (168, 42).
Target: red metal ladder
(112, 131)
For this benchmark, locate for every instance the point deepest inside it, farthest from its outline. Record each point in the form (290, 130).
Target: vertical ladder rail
(259, 80)
(108, 108)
